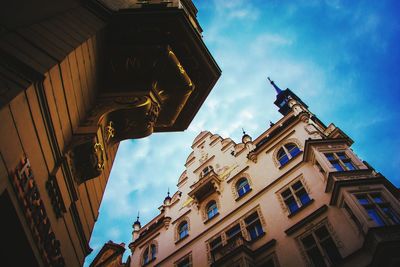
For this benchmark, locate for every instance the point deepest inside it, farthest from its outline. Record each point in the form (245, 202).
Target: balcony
(205, 186)
(154, 73)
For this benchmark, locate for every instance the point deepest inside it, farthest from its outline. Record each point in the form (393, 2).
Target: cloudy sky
(340, 57)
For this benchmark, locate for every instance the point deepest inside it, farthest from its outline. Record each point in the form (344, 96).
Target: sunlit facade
(297, 195)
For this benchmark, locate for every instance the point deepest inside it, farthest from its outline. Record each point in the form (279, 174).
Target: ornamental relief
(284, 142)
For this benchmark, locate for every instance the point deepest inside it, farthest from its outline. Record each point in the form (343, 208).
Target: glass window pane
(297, 185)
(362, 199)
(286, 193)
(373, 214)
(291, 204)
(283, 160)
(341, 155)
(308, 241)
(303, 196)
(337, 166)
(294, 151)
(322, 233)
(233, 231)
(255, 230)
(331, 250)
(349, 166)
(316, 257)
(391, 214)
(377, 198)
(329, 156)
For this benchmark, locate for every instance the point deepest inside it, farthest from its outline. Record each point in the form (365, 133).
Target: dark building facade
(76, 78)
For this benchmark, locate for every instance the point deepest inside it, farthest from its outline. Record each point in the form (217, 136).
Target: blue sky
(340, 57)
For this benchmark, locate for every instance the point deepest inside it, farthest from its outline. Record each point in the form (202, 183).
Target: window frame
(324, 255)
(215, 210)
(337, 161)
(295, 195)
(284, 152)
(238, 187)
(180, 231)
(149, 254)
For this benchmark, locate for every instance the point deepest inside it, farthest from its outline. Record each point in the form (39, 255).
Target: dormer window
(287, 152)
(206, 171)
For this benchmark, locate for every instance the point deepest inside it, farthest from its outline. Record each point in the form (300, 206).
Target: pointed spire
(244, 132)
(277, 89)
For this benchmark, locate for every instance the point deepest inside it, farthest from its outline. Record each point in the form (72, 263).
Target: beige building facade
(297, 195)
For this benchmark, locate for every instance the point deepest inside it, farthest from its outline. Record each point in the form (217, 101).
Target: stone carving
(36, 215)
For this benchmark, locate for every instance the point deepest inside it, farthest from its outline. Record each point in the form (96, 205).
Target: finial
(271, 123)
(168, 192)
(244, 132)
(277, 89)
(137, 218)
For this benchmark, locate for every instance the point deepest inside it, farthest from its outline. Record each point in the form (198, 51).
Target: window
(233, 231)
(183, 230)
(287, 152)
(211, 209)
(206, 171)
(378, 209)
(340, 161)
(295, 196)
(320, 247)
(253, 226)
(242, 187)
(216, 243)
(149, 254)
(185, 262)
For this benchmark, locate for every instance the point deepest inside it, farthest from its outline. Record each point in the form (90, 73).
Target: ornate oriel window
(149, 254)
(183, 230)
(295, 196)
(242, 186)
(211, 209)
(377, 208)
(340, 161)
(287, 152)
(319, 246)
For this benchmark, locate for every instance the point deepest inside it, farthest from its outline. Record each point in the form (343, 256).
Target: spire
(277, 89)
(137, 222)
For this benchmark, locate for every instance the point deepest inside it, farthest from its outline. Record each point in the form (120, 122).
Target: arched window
(286, 152)
(149, 254)
(183, 230)
(206, 171)
(211, 209)
(242, 186)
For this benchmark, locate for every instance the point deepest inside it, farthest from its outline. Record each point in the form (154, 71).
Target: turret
(136, 228)
(287, 101)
